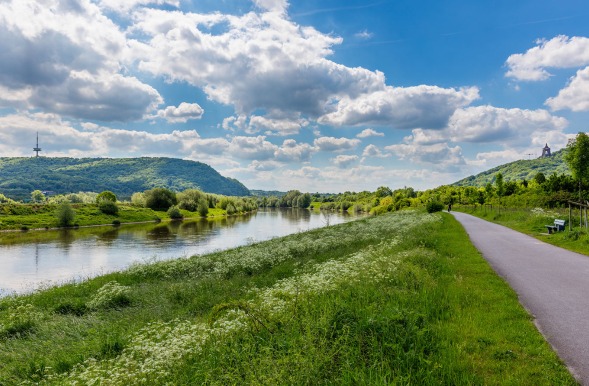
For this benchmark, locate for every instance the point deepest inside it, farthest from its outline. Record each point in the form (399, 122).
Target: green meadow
(399, 299)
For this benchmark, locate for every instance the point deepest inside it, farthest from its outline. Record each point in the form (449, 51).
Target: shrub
(434, 206)
(65, 214)
(110, 295)
(107, 195)
(108, 207)
(174, 213)
(138, 199)
(116, 222)
(160, 199)
(190, 199)
(203, 208)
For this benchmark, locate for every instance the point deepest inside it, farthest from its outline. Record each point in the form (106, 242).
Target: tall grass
(396, 299)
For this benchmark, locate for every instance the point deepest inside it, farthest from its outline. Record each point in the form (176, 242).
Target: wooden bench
(558, 226)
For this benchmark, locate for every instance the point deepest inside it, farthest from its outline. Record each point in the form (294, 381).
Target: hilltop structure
(545, 152)
(37, 149)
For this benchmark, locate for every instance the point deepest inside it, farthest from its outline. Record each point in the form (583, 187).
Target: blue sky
(325, 96)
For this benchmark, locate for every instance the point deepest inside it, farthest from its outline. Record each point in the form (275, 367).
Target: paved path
(552, 284)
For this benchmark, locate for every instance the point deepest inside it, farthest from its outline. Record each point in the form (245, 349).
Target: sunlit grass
(396, 299)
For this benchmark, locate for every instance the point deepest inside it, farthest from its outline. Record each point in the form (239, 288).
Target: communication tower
(37, 149)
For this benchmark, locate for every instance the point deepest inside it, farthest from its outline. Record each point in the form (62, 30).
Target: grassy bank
(533, 222)
(396, 299)
(30, 216)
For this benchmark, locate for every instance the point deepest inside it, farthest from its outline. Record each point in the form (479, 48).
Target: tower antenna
(37, 149)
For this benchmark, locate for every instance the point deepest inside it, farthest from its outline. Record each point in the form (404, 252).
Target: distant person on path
(449, 207)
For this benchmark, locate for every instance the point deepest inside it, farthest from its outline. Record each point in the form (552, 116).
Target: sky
(319, 96)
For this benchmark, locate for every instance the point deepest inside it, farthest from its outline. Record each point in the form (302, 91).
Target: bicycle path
(552, 284)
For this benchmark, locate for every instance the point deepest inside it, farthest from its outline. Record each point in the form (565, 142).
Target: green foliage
(65, 214)
(37, 196)
(577, 158)
(138, 199)
(203, 208)
(190, 199)
(174, 213)
(108, 207)
(107, 195)
(160, 199)
(20, 321)
(123, 176)
(434, 206)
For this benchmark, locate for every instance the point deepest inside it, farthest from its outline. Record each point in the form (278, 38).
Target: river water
(33, 260)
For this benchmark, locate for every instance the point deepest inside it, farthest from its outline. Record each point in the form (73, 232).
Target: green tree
(577, 157)
(499, 184)
(65, 214)
(160, 199)
(107, 195)
(540, 178)
(37, 196)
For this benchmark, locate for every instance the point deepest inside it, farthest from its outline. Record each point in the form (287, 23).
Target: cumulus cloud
(291, 151)
(374, 151)
(335, 144)
(344, 161)
(369, 133)
(575, 96)
(483, 124)
(252, 148)
(281, 126)
(403, 108)
(272, 5)
(440, 155)
(68, 57)
(123, 6)
(558, 52)
(182, 113)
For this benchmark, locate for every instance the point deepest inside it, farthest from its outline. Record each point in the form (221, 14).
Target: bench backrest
(559, 222)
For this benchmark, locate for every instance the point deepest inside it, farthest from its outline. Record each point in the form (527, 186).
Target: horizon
(296, 95)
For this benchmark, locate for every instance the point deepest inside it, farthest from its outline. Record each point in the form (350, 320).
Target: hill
(520, 170)
(123, 176)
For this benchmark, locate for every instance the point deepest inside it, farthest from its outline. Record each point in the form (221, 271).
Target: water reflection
(33, 258)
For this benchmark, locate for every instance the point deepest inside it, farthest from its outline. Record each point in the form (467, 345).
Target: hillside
(519, 170)
(124, 176)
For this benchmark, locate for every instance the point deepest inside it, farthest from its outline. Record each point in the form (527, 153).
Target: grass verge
(396, 299)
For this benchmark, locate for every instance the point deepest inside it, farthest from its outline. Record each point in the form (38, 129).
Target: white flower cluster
(108, 295)
(544, 213)
(158, 347)
(20, 318)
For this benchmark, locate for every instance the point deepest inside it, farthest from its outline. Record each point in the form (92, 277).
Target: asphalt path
(552, 284)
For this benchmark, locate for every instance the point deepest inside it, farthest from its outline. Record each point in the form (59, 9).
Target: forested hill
(123, 176)
(519, 170)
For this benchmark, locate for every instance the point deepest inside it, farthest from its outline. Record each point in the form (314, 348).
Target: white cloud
(123, 6)
(272, 5)
(364, 35)
(440, 155)
(282, 126)
(336, 144)
(484, 124)
(252, 148)
(344, 161)
(182, 113)
(67, 57)
(369, 133)
(426, 137)
(291, 151)
(374, 151)
(403, 108)
(558, 52)
(575, 96)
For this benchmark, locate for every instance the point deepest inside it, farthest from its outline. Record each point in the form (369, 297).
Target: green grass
(533, 222)
(399, 299)
(27, 216)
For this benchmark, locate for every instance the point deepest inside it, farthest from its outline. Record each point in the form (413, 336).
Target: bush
(107, 195)
(108, 207)
(203, 208)
(65, 214)
(434, 206)
(190, 199)
(21, 320)
(138, 199)
(160, 199)
(174, 213)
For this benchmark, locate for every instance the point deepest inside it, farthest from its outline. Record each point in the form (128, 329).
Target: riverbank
(43, 217)
(399, 298)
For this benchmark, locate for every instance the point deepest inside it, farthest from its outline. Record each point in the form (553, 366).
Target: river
(39, 259)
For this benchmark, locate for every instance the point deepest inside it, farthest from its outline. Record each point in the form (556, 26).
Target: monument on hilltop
(546, 152)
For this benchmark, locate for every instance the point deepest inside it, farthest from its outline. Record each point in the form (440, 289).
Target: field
(402, 298)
